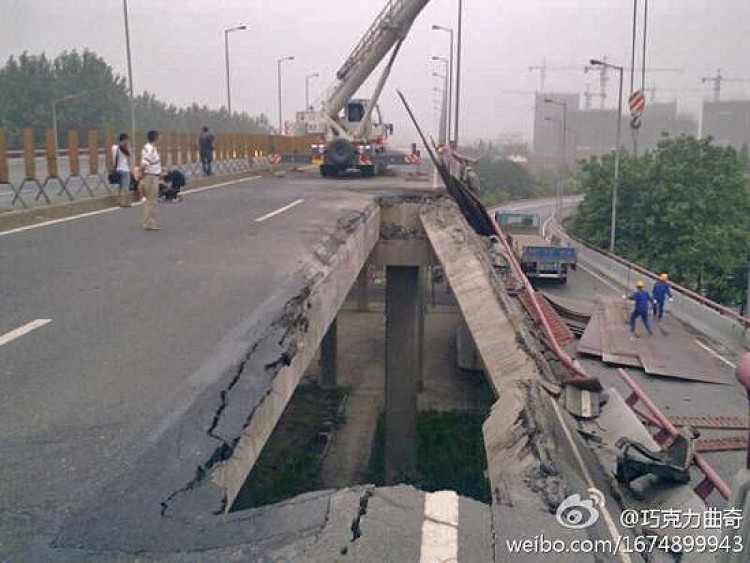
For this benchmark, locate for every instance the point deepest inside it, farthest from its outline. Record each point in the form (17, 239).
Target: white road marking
(600, 278)
(56, 221)
(279, 211)
(22, 330)
(214, 186)
(440, 527)
(715, 354)
(112, 209)
(608, 520)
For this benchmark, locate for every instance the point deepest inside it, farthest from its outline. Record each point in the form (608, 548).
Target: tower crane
(717, 82)
(604, 77)
(352, 129)
(544, 68)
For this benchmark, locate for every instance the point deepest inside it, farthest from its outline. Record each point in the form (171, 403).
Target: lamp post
(54, 113)
(130, 75)
(308, 77)
(564, 149)
(458, 69)
(450, 75)
(226, 61)
(278, 74)
(616, 179)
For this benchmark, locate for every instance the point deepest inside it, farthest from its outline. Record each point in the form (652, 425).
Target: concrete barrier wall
(704, 319)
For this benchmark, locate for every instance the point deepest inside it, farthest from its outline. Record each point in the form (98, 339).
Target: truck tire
(367, 171)
(327, 171)
(340, 153)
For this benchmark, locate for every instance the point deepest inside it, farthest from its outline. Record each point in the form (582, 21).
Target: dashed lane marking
(22, 330)
(440, 527)
(279, 211)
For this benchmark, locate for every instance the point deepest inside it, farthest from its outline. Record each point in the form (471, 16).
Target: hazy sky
(178, 50)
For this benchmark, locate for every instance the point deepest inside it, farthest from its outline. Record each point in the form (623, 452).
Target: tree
(30, 83)
(682, 208)
(502, 180)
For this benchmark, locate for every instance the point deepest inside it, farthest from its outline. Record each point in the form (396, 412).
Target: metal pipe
(632, 49)
(665, 424)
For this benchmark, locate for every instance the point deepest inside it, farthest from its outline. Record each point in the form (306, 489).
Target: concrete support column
(363, 287)
(328, 357)
(402, 344)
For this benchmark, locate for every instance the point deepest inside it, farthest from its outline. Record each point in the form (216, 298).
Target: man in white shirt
(151, 163)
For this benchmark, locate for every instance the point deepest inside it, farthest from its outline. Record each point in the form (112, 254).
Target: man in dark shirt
(661, 291)
(206, 150)
(642, 302)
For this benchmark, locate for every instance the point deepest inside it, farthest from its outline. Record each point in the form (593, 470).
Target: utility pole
(458, 69)
(130, 74)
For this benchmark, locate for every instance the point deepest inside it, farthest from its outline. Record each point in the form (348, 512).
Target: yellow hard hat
(639, 283)
(664, 277)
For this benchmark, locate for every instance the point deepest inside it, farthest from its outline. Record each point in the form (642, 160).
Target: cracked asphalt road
(141, 324)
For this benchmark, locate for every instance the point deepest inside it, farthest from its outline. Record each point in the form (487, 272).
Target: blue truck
(539, 258)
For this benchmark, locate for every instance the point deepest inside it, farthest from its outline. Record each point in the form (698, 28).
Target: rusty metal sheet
(591, 341)
(725, 422)
(721, 444)
(672, 352)
(618, 345)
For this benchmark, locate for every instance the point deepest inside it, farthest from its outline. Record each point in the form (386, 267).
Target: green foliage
(30, 83)
(682, 208)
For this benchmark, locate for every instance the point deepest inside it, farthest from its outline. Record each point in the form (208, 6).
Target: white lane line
(603, 510)
(598, 277)
(279, 211)
(56, 221)
(22, 330)
(223, 184)
(113, 209)
(440, 527)
(715, 354)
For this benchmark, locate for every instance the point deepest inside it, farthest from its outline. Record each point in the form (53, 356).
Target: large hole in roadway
(333, 438)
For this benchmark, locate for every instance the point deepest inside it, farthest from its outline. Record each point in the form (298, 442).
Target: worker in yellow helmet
(642, 300)
(660, 293)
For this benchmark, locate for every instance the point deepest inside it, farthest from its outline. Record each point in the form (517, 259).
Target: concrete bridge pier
(328, 351)
(403, 335)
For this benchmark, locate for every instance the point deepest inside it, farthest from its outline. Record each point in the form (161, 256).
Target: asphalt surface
(141, 324)
(672, 396)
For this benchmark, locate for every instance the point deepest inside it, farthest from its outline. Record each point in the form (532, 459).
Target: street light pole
(278, 74)
(307, 88)
(130, 74)
(458, 70)
(450, 77)
(616, 179)
(564, 149)
(226, 61)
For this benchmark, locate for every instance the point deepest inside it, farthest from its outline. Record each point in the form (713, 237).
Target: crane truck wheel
(340, 153)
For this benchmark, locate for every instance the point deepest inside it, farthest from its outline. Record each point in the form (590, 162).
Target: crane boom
(391, 26)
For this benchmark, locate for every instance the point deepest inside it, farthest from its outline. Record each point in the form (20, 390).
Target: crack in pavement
(294, 320)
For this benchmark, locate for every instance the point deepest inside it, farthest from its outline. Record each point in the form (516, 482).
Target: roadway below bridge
(675, 397)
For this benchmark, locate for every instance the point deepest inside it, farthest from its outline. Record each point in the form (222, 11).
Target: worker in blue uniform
(642, 301)
(660, 293)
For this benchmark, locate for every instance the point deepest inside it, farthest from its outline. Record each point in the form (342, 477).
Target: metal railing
(48, 175)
